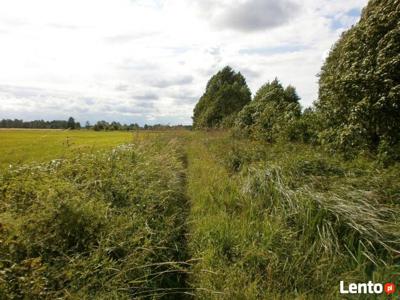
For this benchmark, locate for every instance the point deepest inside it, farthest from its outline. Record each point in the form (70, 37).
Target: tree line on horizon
(358, 106)
(71, 124)
(40, 124)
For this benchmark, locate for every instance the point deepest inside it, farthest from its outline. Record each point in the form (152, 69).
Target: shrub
(360, 85)
(271, 114)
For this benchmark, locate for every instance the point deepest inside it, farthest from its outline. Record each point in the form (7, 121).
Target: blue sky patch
(272, 50)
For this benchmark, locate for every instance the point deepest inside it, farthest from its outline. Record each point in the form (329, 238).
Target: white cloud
(250, 15)
(149, 61)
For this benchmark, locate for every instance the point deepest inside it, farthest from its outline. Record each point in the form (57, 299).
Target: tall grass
(197, 215)
(108, 225)
(268, 222)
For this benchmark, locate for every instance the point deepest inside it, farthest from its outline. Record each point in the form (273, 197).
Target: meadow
(21, 146)
(182, 215)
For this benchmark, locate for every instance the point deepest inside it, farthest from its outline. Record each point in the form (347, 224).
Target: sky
(148, 61)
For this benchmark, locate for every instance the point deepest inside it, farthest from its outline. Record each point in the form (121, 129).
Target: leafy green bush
(360, 85)
(271, 115)
(388, 153)
(303, 129)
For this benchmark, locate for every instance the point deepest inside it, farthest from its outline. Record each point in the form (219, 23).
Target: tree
(71, 123)
(101, 126)
(271, 115)
(359, 85)
(226, 94)
(133, 126)
(115, 126)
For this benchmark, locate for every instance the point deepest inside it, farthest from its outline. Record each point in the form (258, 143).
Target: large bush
(272, 114)
(226, 94)
(359, 95)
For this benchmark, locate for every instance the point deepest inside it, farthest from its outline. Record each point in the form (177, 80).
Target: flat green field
(21, 146)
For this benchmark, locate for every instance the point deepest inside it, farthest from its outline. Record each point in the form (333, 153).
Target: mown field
(182, 215)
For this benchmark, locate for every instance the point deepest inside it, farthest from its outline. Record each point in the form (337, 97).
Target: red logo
(389, 288)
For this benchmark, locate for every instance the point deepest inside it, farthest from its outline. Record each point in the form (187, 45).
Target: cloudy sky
(148, 61)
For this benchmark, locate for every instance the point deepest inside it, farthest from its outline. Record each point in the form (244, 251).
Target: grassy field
(21, 146)
(181, 215)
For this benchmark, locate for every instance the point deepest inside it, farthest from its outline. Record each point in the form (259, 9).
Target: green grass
(180, 214)
(288, 221)
(21, 146)
(106, 225)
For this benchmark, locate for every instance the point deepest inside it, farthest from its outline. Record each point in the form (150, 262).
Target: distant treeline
(40, 124)
(71, 124)
(106, 126)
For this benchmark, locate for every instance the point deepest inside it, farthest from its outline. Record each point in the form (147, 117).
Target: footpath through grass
(180, 215)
